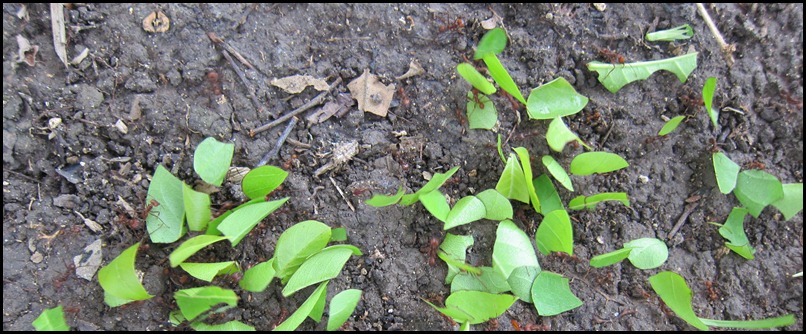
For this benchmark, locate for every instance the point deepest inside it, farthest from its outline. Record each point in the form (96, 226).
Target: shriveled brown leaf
(371, 94)
(414, 70)
(295, 84)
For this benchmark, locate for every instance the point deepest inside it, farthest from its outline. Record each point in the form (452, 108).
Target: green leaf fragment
(257, 278)
(229, 326)
(756, 189)
(547, 194)
(120, 281)
(261, 181)
(607, 259)
(237, 225)
(481, 113)
(552, 294)
(384, 200)
(195, 301)
(211, 160)
(341, 307)
(558, 134)
(677, 33)
(208, 271)
(512, 249)
(497, 206)
(322, 266)
(296, 244)
(295, 319)
(454, 247)
(489, 280)
(467, 210)
(590, 202)
(792, 202)
(436, 204)
(647, 253)
(502, 77)
(708, 99)
(436, 181)
(165, 222)
(51, 320)
(555, 233)
(191, 246)
(492, 43)
(554, 99)
(674, 291)
(615, 76)
(781, 321)
(512, 183)
(671, 125)
(597, 162)
(521, 280)
(726, 171)
(475, 307)
(526, 164)
(197, 208)
(733, 230)
(557, 172)
(476, 79)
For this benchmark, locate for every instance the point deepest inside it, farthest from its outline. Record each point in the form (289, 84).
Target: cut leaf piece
(512, 183)
(324, 265)
(229, 326)
(552, 295)
(590, 202)
(502, 77)
(497, 206)
(557, 172)
(554, 99)
(781, 321)
(756, 189)
(726, 172)
(166, 221)
(261, 181)
(549, 199)
(521, 280)
(191, 246)
(526, 164)
(475, 307)
(597, 162)
(119, 279)
(208, 271)
(512, 249)
(195, 301)
(51, 319)
(436, 181)
(476, 79)
(467, 210)
(455, 247)
(607, 259)
(671, 125)
(489, 280)
(615, 76)
(237, 225)
(296, 244)
(257, 278)
(197, 208)
(708, 100)
(481, 113)
(555, 233)
(211, 160)
(792, 202)
(492, 43)
(677, 33)
(295, 319)
(647, 253)
(674, 291)
(384, 200)
(558, 135)
(436, 204)
(341, 307)
(733, 230)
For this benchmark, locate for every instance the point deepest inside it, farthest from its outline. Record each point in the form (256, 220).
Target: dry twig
(727, 49)
(316, 100)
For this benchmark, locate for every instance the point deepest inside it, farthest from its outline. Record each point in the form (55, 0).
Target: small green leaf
(708, 99)
(191, 246)
(610, 258)
(512, 249)
(462, 266)
(324, 265)
(557, 172)
(671, 125)
(338, 234)
(502, 77)
(296, 244)
(51, 320)
(590, 202)
(555, 233)
(197, 208)
(436, 204)
(526, 164)
(781, 321)
(615, 76)
(756, 189)
(496, 205)
(211, 160)
(493, 42)
(120, 281)
(597, 162)
(481, 113)
(677, 33)
(500, 151)
(726, 172)
(455, 247)
(436, 181)
(257, 278)
(261, 181)
(476, 79)
(674, 291)
(341, 308)
(475, 307)
(552, 295)
(792, 202)
(384, 200)
(554, 99)
(520, 282)
(229, 326)
(558, 134)
(647, 253)
(733, 230)
(549, 199)
(195, 301)
(512, 183)
(465, 211)
(166, 221)
(488, 280)
(295, 319)
(208, 271)
(237, 225)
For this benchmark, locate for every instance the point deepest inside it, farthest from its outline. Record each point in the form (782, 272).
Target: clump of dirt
(64, 157)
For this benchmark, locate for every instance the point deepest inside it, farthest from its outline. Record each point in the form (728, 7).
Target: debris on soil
(372, 95)
(27, 52)
(414, 70)
(59, 33)
(295, 84)
(88, 262)
(156, 22)
(343, 153)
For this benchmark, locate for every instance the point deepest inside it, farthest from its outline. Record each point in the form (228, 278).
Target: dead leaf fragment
(156, 22)
(89, 261)
(27, 52)
(372, 95)
(295, 84)
(414, 70)
(59, 32)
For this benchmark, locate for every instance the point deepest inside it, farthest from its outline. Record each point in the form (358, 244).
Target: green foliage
(208, 271)
(229, 326)
(497, 207)
(512, 183)
(195, 301)
(492, 43)
(237, 225)
(708, 98)
(257, 278)
(644, 253)
(792, 202)
(756, 189)
(677, 33)
(590, 202)
(119, 280)
(726, 171)
(552, 295)
(261, 181)
(316, 301)
(557, 172)
(191, 246)
(502, 77)
(454, 248)
(165, 223)
(523, 154)
(554, 99)
(555, 233)
(475, 307)
(549, 198)
(733, 230)
(481, 113)
(521, 280)
(197, 208)
(558, 134)
(512, 249)
(488, 280)
(671, 125)
(296, 244)
(465, 211)
(384, 200)
(211, 160)
(341, 307)
(436, 204)
(436, 181)
(51, 320)
(596, 162)
(615, 76)
(476, 79)
(324, 265)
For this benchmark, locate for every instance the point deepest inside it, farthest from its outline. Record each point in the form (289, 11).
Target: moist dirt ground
(158, 84)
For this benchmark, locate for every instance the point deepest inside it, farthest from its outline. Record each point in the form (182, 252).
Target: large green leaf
(261, 181)
(195, 301)
(197, 208)
(552, 295)
(316, 299)
(557, 172)
(257, 278)
(324, 265)
(733, 230)
(476, 79)
(756, 189)
(296, 244)
(553, 99)
(191, 246)
(726, 171)
(51, 320)
(647, 253)
(341, 307)
(792, 202)
(119, 280)
(674, 291)
(211, 160)
(237, 225)
(502, 77)
(596, 162)
(615, 76)
(165, 222)
(465, 211)
(512, 249)
(512, 183)
(475, 307)
(555, 233)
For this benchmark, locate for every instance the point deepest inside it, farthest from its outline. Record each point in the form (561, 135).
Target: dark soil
(164, 77)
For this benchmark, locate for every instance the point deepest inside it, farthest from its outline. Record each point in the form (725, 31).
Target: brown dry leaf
(414, 69)
(371, 94)
(295, 84)
(156, 22)
(27, 52)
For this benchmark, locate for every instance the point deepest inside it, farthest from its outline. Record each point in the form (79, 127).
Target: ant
(515, 103)
(712, 291)
(291, 161)
(431, 249)
(404, 98)
(151, 205)
(756, 165)
(611, 57)
(456, 25)
(214, 79)
(59, 281)
(479, 103)
(224, 208)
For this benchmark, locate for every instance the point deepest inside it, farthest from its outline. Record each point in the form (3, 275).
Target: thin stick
(280, 141)
(220, 42)
(727, 49)
(341, 193)
(316, 100)
(689, 208)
